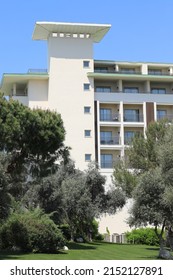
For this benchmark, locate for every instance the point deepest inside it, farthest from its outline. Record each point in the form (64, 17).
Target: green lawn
(93, 251)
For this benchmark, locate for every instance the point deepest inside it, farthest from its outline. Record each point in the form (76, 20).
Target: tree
(34, 138)
(146, 176)
(5, 198)
(74, 197)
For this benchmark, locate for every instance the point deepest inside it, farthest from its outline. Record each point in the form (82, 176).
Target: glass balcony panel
(110, 140)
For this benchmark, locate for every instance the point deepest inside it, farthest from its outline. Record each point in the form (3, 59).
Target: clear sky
(142, 30)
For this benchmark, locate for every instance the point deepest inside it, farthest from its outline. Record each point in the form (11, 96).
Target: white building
(102, 103)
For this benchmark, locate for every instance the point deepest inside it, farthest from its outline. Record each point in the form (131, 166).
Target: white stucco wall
(38, 94)
(66, 94)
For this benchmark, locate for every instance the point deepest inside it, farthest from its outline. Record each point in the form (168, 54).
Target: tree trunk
(163, 253)
(170, 238)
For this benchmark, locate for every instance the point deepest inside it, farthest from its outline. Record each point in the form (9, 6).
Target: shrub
(66, 231)
(14, 234)
(31, 231)
(142, 236)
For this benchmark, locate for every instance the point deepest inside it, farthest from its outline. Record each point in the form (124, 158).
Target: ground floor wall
(117, 223)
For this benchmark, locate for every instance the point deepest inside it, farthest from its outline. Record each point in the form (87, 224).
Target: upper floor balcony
(107, 116)
(110, 140)
(127, 68)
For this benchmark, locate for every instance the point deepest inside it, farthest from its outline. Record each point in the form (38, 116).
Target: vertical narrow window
(86, 87)
(87, 133)
(86, 64)
(87, 109)
(87, 157)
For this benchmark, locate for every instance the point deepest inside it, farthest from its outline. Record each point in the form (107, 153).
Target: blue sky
(142, 30)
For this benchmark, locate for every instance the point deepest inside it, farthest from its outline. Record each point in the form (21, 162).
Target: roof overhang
(9, 79)
(43, 30)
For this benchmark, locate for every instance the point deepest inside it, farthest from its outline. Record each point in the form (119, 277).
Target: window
(87, 133)
(155, 72)
(106, 161)
(87, 110)
(86, 64)
(101, 69)
(87, 157)
(131, 90)
(131, 115)
(106, 137)
(128, 136)
(105, 114)
(86, 87)
(158, 90)
(161, 114)
(103, 89)
(127, 70)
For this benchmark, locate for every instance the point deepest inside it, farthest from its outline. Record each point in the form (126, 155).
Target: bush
(31, 231)
(142, 236)
(65, 228)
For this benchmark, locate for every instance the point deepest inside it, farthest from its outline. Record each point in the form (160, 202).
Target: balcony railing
(39, 71)
(160, 73)
(109, 164)
(109, 117)
(110, 140)
(117, 72)
(104, 71)
(128, 140)
(133, 118)
(106, 164)
(140, 92)
(168, 117)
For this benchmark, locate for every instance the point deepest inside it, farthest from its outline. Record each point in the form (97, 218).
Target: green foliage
(143, 236)
(31, 231)
(148, 204)
(124, 179)
(5, 198)
(150, 160)
(143, 154)
(34, 138)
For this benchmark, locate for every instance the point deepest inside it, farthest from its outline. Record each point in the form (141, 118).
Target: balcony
(110, 140)
(167, 117)
(106, 164)
(130, 117)
(104, 71)
(109, 117)
(37, 71)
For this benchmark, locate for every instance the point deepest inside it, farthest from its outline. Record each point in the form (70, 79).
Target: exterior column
(147, 87)
(144, 116)
(155, 111)
(98, 133)
(14, 90)
(144, 69)
(121, 127)
(120, 85)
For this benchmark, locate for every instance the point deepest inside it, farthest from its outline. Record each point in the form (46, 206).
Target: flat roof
(22, 78)
(43, 29)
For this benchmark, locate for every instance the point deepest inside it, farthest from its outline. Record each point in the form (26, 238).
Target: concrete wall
(38, 94)
(67, 77)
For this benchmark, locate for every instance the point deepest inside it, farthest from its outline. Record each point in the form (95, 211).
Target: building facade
(103, 103)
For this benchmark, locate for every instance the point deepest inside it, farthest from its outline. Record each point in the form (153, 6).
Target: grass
(92, 251)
